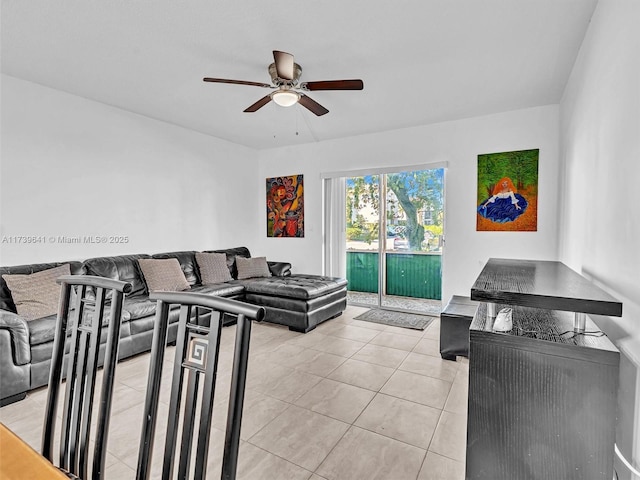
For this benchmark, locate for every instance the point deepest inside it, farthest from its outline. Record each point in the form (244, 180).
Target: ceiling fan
(285, 76)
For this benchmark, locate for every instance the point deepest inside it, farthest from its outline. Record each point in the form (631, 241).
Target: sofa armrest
(279, 269)
(19, 332)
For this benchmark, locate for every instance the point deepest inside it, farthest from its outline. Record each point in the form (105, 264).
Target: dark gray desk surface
(541, 284)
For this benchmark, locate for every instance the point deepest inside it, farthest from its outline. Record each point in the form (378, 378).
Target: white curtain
(335, 248)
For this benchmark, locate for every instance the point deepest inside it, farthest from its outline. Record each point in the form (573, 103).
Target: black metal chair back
(196, 360)
(79, 325)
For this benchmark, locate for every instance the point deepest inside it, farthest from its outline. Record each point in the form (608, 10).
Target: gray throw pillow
(213, 268)
(163, 275)
(252, 267)
(36, 295)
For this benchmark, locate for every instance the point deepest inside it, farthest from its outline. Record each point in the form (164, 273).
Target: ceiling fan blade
(259, 104)
(284, 64)
(312, 105)
(333, 85)
(236, 82)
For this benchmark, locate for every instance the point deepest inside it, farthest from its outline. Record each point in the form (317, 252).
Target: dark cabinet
(542, 397)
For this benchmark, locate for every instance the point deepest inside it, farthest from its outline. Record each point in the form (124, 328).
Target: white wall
(457, 143)
(600, 131)
(601, 152)
(74, 167)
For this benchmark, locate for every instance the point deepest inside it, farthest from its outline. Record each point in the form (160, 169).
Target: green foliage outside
(361, 191)
(414, 193)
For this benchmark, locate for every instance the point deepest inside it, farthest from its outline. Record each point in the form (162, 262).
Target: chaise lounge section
(300, 302)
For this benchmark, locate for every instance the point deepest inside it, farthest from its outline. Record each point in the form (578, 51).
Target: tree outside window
(414, 208)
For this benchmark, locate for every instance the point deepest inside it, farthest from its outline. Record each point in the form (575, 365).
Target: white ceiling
(422, 61)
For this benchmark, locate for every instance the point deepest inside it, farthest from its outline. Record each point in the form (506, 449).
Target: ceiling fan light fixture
(285, 98)
(285, 76)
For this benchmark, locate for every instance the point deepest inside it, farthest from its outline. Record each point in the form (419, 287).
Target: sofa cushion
(36, 295)
(187, 260)
(142, 328)
(213, 268)
(138, 307)
(41, 352)
(296, 286)
(123, 267)
(42, 330)
(252, 267)
(220, 289)
(231, 254)
(163, 275)
(6, 300)
(141, 307)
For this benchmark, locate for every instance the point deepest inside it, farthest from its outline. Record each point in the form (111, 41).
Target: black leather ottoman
(455, 320)
(300, 302)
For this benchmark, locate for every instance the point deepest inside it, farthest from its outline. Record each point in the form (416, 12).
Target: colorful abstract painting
(285, 206)
(508, 191)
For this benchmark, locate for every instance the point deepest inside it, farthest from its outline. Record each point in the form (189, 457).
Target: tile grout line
(276, 339)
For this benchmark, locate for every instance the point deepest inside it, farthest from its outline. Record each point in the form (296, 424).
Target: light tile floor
(350, 400)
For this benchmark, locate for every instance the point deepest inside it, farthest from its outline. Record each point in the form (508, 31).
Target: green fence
(408, 274)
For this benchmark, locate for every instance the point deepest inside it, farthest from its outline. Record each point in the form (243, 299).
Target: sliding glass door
(363, 234)
(394, 240)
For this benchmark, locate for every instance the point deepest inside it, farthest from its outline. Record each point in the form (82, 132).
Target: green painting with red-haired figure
(508, 191)
(285, 206)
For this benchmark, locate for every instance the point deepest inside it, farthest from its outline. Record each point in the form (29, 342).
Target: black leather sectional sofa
(298, 301)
